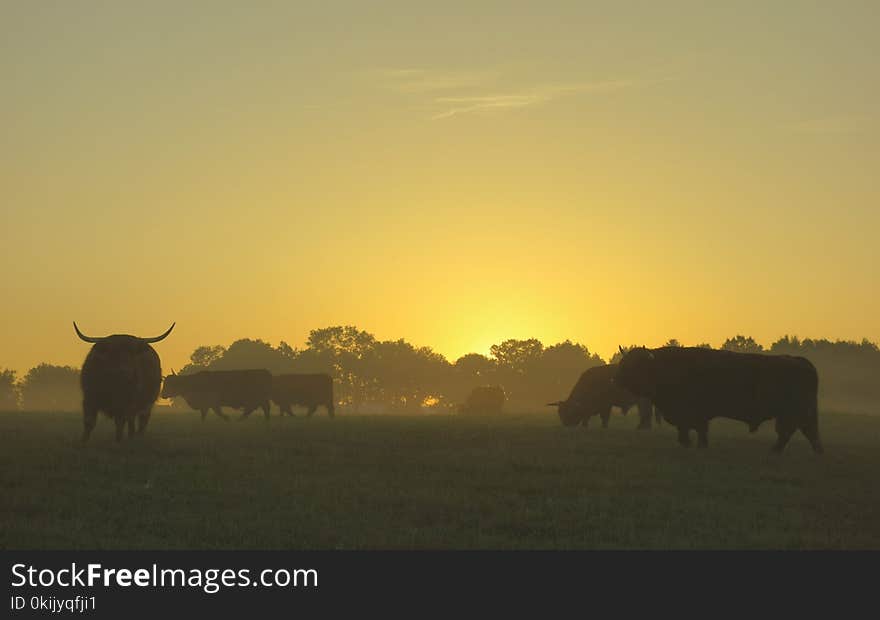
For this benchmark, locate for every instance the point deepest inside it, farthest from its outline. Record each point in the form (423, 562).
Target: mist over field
(395, 376)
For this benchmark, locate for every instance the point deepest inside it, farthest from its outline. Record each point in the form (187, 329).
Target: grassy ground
(380, 482)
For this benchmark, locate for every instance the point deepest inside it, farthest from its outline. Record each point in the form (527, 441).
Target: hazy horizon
(454, 175)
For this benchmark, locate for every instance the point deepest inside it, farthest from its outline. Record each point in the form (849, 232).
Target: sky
(452, 173)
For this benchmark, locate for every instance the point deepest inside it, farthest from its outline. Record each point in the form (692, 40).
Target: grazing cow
(215, 389)
(693, 385)
(307, 390)
(595, 393)
(120, 376)
(486, 399)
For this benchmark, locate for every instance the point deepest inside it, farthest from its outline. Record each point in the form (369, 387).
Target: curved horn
(620, 348)
(158, 338)
(84, 337)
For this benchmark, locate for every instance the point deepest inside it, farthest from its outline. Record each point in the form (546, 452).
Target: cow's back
(749, 387)
(230, 387)
(303, 388)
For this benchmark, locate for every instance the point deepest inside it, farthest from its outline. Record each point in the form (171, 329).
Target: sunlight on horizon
(457, 176)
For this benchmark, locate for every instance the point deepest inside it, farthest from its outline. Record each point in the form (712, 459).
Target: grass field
(380, 482)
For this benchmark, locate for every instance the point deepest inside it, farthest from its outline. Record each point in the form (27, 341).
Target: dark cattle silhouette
(693, 385)
(484, 399)
(595, 393)
(307, 390)
(121, 376)
(215, 389)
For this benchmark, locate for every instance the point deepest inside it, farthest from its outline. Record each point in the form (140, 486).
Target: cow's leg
(130, 424)
(784, 431)
(605, 415)
(810, 429)
(219, 411)
(312, 410)
(143, 419)
(204, 413)
(90, 416)
(265, 407)
(644, 416)
(703, 434)
(586, 421)
(246, 411)
(684, 436)
(120, 426)
(658, 417)
(330, 409)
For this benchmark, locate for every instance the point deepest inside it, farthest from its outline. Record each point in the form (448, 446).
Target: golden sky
(452, 173)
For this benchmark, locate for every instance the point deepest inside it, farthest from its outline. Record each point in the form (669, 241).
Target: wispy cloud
(534, 96)
(465, 105)
(456, 93)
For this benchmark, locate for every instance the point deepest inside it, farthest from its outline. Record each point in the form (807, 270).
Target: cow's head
(637, 372)
(119, 358)
(570, 412)
(172, 385)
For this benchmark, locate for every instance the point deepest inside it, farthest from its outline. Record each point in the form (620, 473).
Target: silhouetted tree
(344, 349)
(741, 344)
(207, 355)
(469, 371)
(246, 353)
(476, 366)
(558, 369)
(51, 388)
(405, 376)
(516, 360)
(8, 391)
(517, 355)
(672, 342)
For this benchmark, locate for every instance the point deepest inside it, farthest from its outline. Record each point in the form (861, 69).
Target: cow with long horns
(121, 376)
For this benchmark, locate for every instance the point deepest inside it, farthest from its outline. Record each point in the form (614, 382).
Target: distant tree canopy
(398, 375)
(8, 391)
(205, 356)
(51, 388)
(741, 344)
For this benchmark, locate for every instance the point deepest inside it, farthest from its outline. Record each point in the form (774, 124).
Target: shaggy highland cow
(121, 376)
(692, 385)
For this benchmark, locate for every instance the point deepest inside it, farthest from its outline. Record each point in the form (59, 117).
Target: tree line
(395, 375)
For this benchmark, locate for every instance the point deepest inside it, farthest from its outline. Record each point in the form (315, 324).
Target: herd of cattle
(688, 387)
